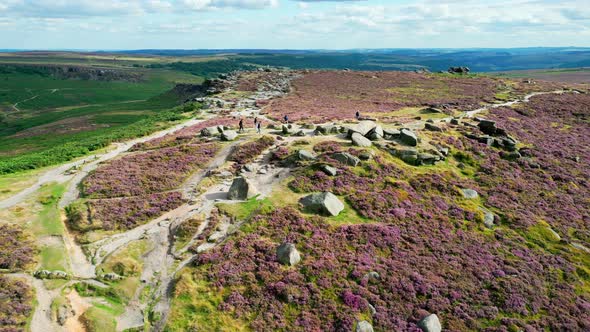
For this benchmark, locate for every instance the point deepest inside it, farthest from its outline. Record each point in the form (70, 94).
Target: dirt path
(79, 305)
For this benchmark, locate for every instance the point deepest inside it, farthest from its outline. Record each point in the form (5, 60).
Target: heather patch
(16, 298)
(247, 152)
(16, 248)
(329, 95)
(148, 172)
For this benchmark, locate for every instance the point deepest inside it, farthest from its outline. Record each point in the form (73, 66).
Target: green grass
(97, 319)
(53, 257)
(48, 221)
(242, 211)
(194, 307)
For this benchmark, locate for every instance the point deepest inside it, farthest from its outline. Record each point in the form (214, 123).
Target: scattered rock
(305, 155)
(426, 159)
(229, 135)
(359, 140)
(408, 137)
(209, 131)
(391, 133)
(324, 203)
(329, 170)
(45, 274)
(287, 254)
(469, 193)
(432, 110)
(288, 129)
(486, 139)
(241, 189)
(408, 155)
(262, 171)
(346, 158)
(362, 128)
(488, 218)
(300, 133)
(432, 127)
(372, 309)
(514, 155)
(373, 277)
(364, 326)
(430, 323)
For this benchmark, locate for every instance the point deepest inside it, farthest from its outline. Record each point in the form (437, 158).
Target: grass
(48, 221)
(126, 261)
(96, 319)
(244, 210)
(53, 257)
(11, 184)
(194, 307)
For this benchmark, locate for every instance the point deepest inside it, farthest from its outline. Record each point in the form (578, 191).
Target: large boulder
(364, 326)
(360, 140)
(408, 155)
(288, 129)
(287, 254)
(346, 158)
(324, 203)
(432, 127)
(430, 323)
(408, 137)
(487, 126)
(362, 128)
(228, 135)
(241, 189)
(209, 131)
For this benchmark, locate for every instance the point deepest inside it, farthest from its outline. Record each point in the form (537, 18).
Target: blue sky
(193, 24)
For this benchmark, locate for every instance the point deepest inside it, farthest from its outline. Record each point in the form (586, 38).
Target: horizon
(289, 24)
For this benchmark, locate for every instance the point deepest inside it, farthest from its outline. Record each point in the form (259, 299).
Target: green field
(46, 118)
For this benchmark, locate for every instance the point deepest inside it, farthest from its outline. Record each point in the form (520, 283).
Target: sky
(288, 24)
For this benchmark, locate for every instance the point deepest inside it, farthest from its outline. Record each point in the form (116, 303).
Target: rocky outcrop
(458, 70)
(324, 203)
(408, 137)
(46, 274)
(287, 254)
(375, 134)
(241, 189)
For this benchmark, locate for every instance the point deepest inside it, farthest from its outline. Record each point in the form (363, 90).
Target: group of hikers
(258, 123)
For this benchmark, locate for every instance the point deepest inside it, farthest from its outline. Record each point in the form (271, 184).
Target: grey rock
(241, 189)
(262, 171)
(488, 218)
(408, 155)
(359, 140)
(372, 309)
(393, 133)
(364, 326)
(426, 159)
(305, 155)
(365, 155)
(327, 129)
(432, 127)
(430, 323)
(486, 139)
(375, 134)
(469, 193)
(373, 276)
(300, 133)
(362, 128)
(408, 137)
(288, 129)
(249, 168)
(455, 122)
(209, 131)
(431, 110)
(287, 254)
(324, 203)
(329, 170)
(487, 126)
(514, 155)
(346, 158)
(111, 277)
(228, 135)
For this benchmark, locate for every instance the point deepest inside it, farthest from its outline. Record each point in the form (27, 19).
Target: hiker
(258, 125)
(255, 121)
(358, 115)
(241, 126)
(286, 118)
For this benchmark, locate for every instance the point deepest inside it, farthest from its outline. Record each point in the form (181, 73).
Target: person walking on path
(258, 126)
(358, 115)
(286, 117)
(241, 126)
(255, 121)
